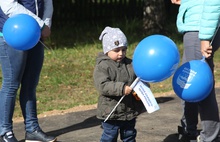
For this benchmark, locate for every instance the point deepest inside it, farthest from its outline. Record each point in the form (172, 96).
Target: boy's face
(117, 54)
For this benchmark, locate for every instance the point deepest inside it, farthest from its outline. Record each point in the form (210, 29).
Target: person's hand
(176, 2)
(136, 96)
(45, 32)
(206, 48)
(127, 90)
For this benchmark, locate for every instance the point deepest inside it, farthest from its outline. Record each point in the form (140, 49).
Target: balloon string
(47, 47)
(203, 58)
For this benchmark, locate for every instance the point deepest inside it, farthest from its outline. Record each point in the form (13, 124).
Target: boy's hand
(127, 90)
(176, 1)
(136, 96)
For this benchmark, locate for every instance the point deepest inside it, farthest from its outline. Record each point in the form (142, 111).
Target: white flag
(146, 96)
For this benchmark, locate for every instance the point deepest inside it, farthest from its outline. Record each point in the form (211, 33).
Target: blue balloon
(155, 58)
(21, 32)
(193, 81)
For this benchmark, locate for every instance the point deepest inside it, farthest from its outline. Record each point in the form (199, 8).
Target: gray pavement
(159, 126)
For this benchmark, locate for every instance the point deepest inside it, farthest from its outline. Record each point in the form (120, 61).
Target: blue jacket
(41, 10)
(199, 15)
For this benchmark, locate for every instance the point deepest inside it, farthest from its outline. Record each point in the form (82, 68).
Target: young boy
(113, 74)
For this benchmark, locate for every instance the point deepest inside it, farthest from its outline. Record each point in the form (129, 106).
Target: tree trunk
(154, 16)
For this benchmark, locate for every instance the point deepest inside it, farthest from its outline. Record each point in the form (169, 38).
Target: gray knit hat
(112, 38)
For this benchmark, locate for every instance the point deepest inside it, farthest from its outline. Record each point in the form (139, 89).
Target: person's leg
(128, 132)
(191, 51)
(29, 83)
(209, 118)
(189, 119)
(110, 131)
(209, 112)
(191, 45)
(28, 104)
(12, 65)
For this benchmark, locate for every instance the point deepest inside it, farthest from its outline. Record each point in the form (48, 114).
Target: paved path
(159, 126)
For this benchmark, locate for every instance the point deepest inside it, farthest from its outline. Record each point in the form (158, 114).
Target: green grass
(66, 79)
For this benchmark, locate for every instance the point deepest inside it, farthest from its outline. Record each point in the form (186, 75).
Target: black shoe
(39, 136)
(8, 137)
(187, 138)
(184, 137)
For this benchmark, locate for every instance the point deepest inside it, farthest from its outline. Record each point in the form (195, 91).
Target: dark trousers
(208, 108)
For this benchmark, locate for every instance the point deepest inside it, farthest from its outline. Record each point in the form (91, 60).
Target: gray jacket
(110, 78)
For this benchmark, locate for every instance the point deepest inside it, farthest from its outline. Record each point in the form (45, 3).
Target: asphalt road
(82, 126)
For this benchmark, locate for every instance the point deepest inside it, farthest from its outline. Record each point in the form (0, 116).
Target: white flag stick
(132, 86)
